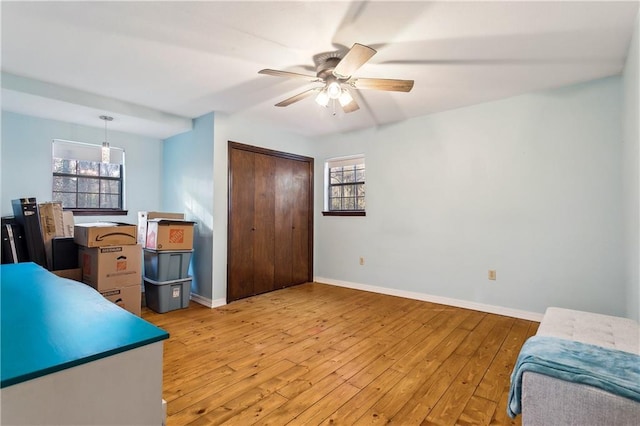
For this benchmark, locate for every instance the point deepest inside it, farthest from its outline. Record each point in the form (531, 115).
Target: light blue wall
(187, 185)
(528, 186)
(631, 167)
(195, 182)
(26, 162)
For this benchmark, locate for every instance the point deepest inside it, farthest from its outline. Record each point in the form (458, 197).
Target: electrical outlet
(492, 274)
(362, 260)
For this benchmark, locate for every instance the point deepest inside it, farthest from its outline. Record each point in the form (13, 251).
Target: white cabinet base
(122, 389)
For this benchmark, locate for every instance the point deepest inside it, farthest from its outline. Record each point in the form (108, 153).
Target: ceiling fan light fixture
(345, 97)
(323, 98)
(334, 90)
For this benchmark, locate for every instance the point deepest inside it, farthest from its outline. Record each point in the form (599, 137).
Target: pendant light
(106, 151)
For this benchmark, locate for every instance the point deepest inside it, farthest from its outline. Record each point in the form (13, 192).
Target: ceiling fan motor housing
(325, 69)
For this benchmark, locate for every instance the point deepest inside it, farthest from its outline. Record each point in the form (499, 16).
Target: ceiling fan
(336, 74)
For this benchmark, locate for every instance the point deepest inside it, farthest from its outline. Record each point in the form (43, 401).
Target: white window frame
(338, 162)
(82, 151)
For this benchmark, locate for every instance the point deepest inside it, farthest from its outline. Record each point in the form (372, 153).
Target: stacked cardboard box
(57, 233)
(111, 261)
(143, 217)
(168, 245)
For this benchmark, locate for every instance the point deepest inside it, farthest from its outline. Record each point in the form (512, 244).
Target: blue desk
(51, 326)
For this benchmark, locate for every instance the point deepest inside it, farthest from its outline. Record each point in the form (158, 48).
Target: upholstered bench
(552, 401)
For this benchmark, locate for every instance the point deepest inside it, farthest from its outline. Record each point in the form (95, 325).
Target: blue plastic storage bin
(165, 296)
(166, 265)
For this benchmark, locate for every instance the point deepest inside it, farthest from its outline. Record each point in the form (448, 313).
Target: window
(86, 184)
(345, 186)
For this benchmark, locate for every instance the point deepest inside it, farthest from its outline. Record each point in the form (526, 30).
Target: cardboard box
(101, 234)
(165, 234)
(104, 268)
(68, 223)
(51, 225)
(51, 220)
(72, 274)
(129, 298)
(144, 216)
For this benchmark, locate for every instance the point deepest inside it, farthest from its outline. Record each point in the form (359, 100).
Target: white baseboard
(205, 301)
(492, 309)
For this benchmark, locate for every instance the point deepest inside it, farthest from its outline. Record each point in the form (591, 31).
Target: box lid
(102, 224)
(150, 250)
(178, 281)
(162, 221)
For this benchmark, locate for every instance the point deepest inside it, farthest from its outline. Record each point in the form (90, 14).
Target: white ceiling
(153, 64)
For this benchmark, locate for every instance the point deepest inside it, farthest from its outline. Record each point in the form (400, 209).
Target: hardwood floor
(316, 354)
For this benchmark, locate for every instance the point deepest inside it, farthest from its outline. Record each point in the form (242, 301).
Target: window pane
(335, 192)
(64, 184)
(68, 200)
(360, 203)
(336, 176)
(110, 186)
(349, 203)
(88, 201)
(110, 170)
(89, 168)
(88, 185)
(335, 204)
(64, 166)
(349, 190)
(110, 201)
(360, 175)
(349, 175)
(360, 190)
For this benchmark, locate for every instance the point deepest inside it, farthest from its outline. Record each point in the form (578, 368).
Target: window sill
(344, 213)
(98, 212)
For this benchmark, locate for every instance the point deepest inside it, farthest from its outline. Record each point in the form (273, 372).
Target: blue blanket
(611, 370)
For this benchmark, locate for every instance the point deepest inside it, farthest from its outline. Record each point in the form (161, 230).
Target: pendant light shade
(323, 98)
(106, 151)
(333, 90)
(345, 98)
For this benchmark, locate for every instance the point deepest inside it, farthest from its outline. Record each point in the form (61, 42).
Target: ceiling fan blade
(351, 106)
(287, 74)
(356, 57)
(391, 85)
(298, 97)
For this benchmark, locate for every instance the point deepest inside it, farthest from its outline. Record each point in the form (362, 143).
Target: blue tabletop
(50, 323)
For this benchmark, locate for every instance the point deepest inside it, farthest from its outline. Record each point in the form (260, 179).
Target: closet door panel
(283, 223)
(264, 220)
(300, 198)
(242, 211)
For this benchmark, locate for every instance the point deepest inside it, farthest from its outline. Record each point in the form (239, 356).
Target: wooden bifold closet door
(270, 232)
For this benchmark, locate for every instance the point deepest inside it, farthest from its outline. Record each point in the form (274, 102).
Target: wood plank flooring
(317, 354)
